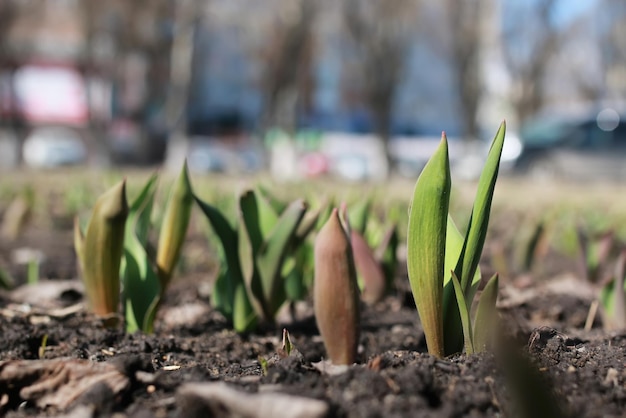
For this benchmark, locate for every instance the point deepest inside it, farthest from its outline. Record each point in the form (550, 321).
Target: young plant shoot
(426, 245)
(264, 239)
(146, 279)
(114, 248)
(100, 250)
(252, 284)
(336, 294)
(375, 264)
(369, 270)
(174, 227)
(442, 265)
(229, 294)
(142, 287)
(613, 297)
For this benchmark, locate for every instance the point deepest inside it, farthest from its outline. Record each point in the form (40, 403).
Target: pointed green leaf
(485, 314)
(613, 298)
(143, 204)
(245, 255)
(250, 240)
(250, 273)
(359, 214)
(138, 220)
(230, 295)
(287, 346)
(426, 244)
(6, 281)
(267, 215)
(454, 246)
(295, 288)
(273, 252)
(249, 218)
(223, 292)
(607, 296)
(142, 287)
(306, 226)
(298, 271)
(326, 208)
(226, 234)
(465, 316)
(174, 227)
(619, 300)
(479, 219)
(451, 319)
(533, 246)
(294, 268)
(244, 316)
(79, 244)
(386, 254)
(387, 241)
(278, 205)
(102, 248)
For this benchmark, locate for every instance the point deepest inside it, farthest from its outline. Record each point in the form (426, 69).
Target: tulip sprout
(100, 250)
(146, 278)
(336, 294)
(116, 245)
(252, 283)
(375, 264)
(174, 227)
(443, 266)
(613, 297)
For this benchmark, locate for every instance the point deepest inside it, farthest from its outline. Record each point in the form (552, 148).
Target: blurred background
(302, 88)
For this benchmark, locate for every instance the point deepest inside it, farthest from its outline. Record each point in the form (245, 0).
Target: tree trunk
(180, 79)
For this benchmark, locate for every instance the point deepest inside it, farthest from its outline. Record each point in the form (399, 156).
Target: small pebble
(611, 377)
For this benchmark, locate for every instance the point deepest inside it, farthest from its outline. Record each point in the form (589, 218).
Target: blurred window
(546, 132)
(619, 134)
(592, 135)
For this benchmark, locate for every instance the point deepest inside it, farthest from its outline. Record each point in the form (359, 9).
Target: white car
(49, 147)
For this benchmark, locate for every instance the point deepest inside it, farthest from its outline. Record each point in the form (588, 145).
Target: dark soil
(548, 355)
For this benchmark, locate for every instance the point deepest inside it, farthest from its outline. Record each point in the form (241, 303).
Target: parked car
(467, 157)
(587, 147)
(131, 143)
(54, 146)
(225, 155)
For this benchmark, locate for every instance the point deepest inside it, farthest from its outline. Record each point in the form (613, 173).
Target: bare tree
(586, 54)
(463, 21)
(92, 14)
(137, 59)
(615, 50)
(583, 58)
(381, 33)
(180, 78)
(286, 60)
(531, 41)
(9, 11)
